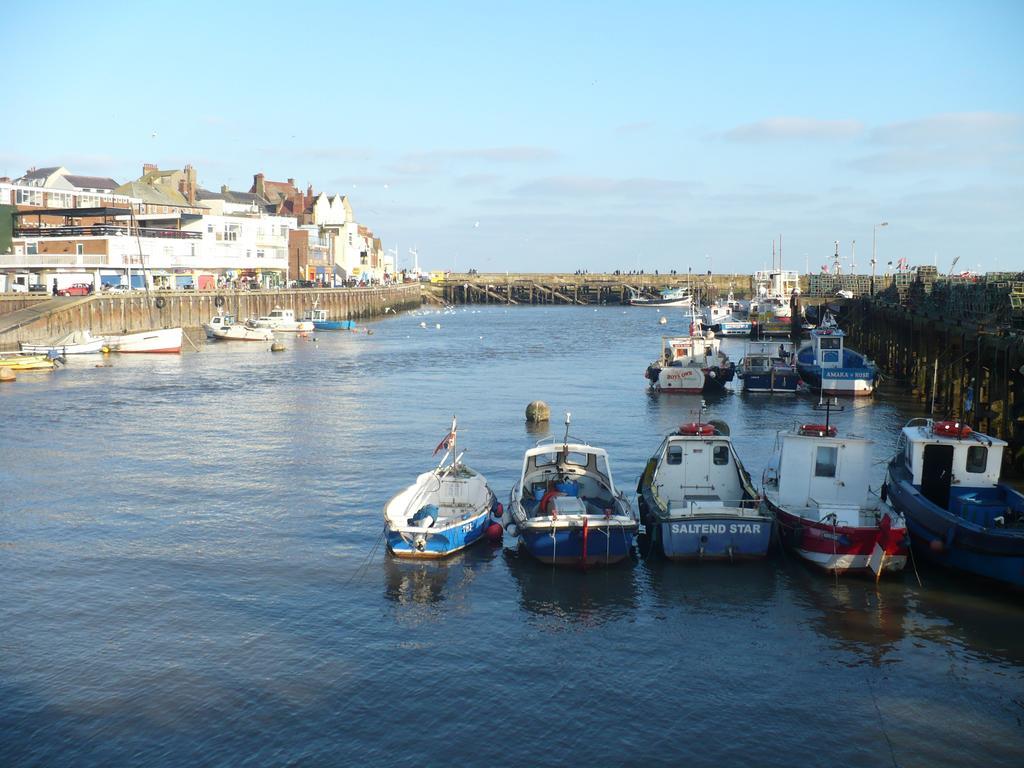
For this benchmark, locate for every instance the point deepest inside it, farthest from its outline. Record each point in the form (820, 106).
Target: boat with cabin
(768, 367)
(321, 322)
(226, 328)
(282, 321)
(74, 343)
(162, 340)
(825, 512)
(826, 364)
(697, 502)
(691, 364)
(945, 479)
(667, 297)
(444, 511)
(565, 508)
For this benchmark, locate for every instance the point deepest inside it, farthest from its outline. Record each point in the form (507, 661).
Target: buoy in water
(277, 346)
(662, 320)
(423, 324)
(537, 412)
(438, 326)
(493, 532)
(6, 374)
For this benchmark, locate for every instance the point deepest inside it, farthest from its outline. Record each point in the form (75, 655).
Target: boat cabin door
(937, 474)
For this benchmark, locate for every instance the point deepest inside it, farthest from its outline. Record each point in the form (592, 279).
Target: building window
(977, 458)
(209, 229)
(825, 461)
(31, 248)
(260, 253)
(231, 232)
(28, 197)
(79, 249)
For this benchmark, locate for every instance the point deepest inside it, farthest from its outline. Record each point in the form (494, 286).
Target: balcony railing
(105, 230)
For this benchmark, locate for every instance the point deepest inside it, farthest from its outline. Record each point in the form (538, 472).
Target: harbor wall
(132, 312)
(957, 368)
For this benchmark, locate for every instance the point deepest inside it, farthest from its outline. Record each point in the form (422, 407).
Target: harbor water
(193, 573)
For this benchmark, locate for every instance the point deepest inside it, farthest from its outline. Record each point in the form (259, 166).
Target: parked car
(76, 289)
(119, 288)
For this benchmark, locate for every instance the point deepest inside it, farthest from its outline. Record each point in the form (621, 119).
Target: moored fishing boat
(945, 479)
(565, 508)
(697, 501)
(691, 364)
(817, 489)
(74, 343)
(321, 322)
(668, 297)
(767, 367)
(282, 321)
(226, 328)
(827, 365)
(165, 340)
(443, 511)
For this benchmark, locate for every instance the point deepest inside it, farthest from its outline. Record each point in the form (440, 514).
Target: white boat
(282, 321)
(75, 343)
(227, 328)
(444, 511)
(160, 340)
(691, 364)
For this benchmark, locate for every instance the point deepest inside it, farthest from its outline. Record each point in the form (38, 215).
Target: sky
(556, 136)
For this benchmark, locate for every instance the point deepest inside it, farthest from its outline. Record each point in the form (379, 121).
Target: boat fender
(499, 510)
(218, 301)
(160, 302)
(493, 532)
(883, 494)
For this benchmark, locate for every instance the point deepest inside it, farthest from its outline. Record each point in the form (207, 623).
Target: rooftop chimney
(291, 182)
(257, 185)
(149, 168)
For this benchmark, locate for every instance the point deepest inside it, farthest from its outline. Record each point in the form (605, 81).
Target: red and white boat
(162, 340)
(818, 492)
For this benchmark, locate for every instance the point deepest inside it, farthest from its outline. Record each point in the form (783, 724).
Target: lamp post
(874, 238)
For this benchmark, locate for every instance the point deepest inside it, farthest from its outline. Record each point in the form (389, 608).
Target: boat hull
(88, 348)
(334, 325)
(601, 544)
(689, 379)
(432, 543)
(713, 537)
(784, 380)
(840, 549)
(165, 341)
(839, 381)
(951, 542)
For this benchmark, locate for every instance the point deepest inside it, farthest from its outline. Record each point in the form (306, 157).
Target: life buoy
(951, 429)
(818, 430)
(160, 302)
(218, 301)
(695, 428)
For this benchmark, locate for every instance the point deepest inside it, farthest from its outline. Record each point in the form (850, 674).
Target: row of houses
(163, 230)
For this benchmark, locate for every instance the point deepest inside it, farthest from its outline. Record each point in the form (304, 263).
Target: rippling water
(190, 575)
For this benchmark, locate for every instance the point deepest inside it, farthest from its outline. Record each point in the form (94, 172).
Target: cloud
(952, 128)
(629, 129)
(477, 180)
(433, 161)
(959, 141)
(794, 129)
(596, 187)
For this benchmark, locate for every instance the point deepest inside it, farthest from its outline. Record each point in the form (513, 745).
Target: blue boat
(697, 501)
(565, 509)
(768, 367)
(321, 322)
(826, 365)
(944, 479)
(444, 511)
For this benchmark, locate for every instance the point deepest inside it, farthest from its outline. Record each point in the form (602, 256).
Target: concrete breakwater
(42, 319)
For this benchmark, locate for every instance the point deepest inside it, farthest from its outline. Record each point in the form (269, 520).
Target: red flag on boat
(445, 442)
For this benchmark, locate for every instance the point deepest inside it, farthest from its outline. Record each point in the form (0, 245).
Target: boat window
(977, 458)
(825, 461)
(721, 454)
(579, 459)
(832, 343)
(544, 459)
(675, 454)
(909, 455)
